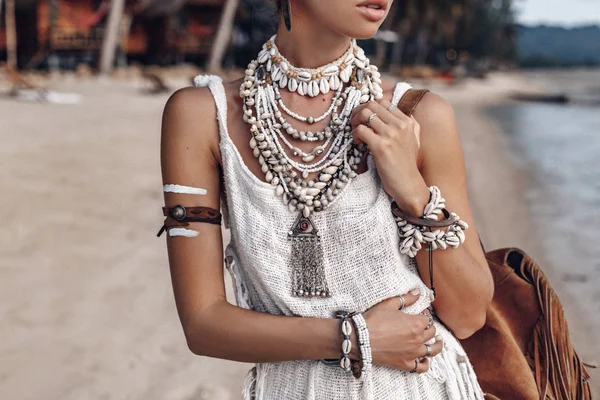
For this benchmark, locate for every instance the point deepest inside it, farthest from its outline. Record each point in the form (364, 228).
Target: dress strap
(399, 92)
(215, 84)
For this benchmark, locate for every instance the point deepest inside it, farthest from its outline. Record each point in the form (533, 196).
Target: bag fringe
(555, 363)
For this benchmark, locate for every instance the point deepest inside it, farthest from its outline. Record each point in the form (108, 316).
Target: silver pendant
(308, 279)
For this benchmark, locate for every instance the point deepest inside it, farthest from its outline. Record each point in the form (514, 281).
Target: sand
(86, 304)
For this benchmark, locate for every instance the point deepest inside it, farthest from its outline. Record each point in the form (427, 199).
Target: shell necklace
(335, 156)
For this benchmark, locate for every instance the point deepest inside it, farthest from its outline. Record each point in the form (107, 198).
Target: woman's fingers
(410, 298)
(362, 134)
(395, 111)
(428, 334)
(421, 364)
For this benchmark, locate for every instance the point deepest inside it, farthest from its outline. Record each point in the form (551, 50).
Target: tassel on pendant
(308, 279)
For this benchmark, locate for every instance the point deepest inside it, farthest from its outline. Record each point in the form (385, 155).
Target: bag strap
(409, 101)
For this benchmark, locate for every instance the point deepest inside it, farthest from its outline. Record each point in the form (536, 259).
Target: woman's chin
(364, 33)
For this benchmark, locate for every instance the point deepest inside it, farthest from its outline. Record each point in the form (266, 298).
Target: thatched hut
(153, 31)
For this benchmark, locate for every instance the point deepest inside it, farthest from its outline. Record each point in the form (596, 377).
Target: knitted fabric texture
(363, 265)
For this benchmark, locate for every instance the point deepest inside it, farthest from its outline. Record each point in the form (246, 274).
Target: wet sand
(86, 303)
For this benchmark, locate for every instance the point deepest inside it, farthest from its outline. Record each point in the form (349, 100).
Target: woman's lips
(372, 14)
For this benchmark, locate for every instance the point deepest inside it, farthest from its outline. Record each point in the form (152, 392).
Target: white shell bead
(331, 70)
(308, 158)
(344, 76)
(304, 76)
(306, 211)
(334, 82)
(263, 56)
(346, 346)
(292, 85)
(330, 170)
(320, 185)
(347, 328)
(284, 66)
(279, 190)
(325, 178)
(302, 88)
(283, 81)
(276, 74)
(313, 88)
(345, 363)
(324, 86)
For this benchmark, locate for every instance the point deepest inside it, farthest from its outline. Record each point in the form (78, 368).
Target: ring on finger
(391, 107)
(429, 317)
(427, 350)
(416, 365)
(402, 303)
(368, 123)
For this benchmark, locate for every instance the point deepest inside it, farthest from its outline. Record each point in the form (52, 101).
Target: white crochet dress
(363, 265)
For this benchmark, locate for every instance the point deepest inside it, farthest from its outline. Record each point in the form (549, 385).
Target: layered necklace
(334, 156)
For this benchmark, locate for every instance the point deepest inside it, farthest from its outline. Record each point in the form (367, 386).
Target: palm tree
(11, 35)
(111, 36)
(223, 35)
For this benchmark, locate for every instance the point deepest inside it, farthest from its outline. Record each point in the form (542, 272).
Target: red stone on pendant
(304, 225)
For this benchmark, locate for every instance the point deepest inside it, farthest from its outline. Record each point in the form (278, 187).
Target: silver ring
(427, 350)
(391, 107)
(416, 365)
(402, 303)
(429, 318)
(368, 123)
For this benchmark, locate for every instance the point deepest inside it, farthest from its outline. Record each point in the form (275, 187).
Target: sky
(558, 12)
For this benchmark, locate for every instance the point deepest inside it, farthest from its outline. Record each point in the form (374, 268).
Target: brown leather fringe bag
(524, 351)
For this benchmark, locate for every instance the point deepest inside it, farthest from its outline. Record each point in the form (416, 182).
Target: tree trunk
(11, 35)
(223, 35)
(111, 36)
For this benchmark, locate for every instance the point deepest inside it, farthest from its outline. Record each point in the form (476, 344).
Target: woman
(306, 154)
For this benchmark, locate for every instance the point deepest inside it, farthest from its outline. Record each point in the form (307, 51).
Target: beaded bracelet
(364, 342)
(414, 230)
(345, 362)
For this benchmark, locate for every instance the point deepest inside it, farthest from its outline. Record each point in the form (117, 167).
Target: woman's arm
(212, 326)
(462, 277)
(463, 280)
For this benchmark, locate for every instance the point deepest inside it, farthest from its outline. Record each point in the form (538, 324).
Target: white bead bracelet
(364, 342)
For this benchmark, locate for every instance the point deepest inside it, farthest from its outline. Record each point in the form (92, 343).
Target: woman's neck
(309, 47)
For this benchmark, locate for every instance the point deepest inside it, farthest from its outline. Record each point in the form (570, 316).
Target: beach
(86, 304)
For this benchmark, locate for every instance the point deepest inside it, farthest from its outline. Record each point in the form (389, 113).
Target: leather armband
(448, 220)
(180, 216)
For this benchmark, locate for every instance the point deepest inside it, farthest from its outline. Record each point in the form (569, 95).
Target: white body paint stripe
(182, 232)
(184, 190)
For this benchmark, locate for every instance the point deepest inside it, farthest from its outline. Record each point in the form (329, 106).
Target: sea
(559, 144)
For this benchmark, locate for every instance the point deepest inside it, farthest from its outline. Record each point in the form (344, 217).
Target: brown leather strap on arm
(178, 216)
(409, 101)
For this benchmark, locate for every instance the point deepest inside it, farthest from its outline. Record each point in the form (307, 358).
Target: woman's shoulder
(190, 120)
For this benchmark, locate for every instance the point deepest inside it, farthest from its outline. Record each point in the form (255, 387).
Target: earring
(287, 14)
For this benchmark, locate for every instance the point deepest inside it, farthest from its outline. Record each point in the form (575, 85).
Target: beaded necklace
(335, 156)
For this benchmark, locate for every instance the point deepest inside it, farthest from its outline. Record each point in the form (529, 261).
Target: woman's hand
(398, 339)
(393, 139)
